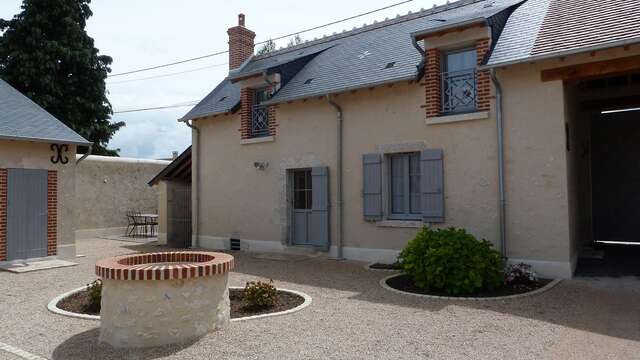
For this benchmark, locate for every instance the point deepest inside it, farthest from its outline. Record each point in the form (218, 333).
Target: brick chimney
(240, 43)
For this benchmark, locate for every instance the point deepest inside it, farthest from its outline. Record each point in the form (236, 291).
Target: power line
(168, 74)
(261, 42)
(190, 103)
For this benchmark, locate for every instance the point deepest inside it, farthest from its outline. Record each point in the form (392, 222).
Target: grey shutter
(372, 187)
(432, 185)
(319, 218)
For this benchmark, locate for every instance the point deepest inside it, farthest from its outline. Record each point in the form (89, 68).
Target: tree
(46, 54)
(267, 47)
(296, 40)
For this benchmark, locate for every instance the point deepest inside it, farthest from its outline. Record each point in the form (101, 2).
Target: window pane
(309, 199)
(398, 175)
(414, 184)
(299, 199)
(299, 180)
(462, 60)
(458, 82)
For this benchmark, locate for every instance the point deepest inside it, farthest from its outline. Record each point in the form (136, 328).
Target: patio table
(150, 220)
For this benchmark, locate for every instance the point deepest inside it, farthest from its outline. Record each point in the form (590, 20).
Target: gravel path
(351, 317)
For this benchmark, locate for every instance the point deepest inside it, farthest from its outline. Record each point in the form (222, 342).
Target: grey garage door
(26, 213)
(178, 214)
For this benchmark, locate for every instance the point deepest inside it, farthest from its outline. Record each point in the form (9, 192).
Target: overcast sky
(142, 33)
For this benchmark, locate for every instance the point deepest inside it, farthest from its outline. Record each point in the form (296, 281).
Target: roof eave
(419, 35)
(604, 46)
(226, 111)
(44, 140)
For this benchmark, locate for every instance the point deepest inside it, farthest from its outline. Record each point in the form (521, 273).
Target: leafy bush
(95, 294)
(260, 294)
(520, 275)
(451, 260)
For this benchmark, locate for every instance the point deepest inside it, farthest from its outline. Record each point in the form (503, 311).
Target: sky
(144, 33)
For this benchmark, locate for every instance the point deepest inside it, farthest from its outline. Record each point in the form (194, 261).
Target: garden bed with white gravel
(296, 301)
(400, 283)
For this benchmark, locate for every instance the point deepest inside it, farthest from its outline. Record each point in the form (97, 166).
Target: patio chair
(152, 223)
(134, 221)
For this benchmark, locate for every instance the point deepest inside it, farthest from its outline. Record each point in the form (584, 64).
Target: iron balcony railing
(259, 121)
(458, 91)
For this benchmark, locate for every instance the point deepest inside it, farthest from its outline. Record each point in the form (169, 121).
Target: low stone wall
(107, 187)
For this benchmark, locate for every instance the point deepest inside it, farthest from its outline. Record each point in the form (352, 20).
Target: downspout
(500, 131)
(89, 150)
(195, 241)
(423, 56)
(339, 215)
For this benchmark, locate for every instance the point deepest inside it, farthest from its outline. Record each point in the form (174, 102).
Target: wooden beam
(610, 104)
(593, 69)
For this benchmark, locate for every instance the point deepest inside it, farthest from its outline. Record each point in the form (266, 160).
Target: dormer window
(459, 81)
(260, 113)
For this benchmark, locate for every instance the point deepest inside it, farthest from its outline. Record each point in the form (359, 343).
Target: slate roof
(23, 119)
(349, 60)
(547, 28)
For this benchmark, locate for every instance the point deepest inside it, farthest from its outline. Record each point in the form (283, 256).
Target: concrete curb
(383, 283)
(53, 306)
(307, 302)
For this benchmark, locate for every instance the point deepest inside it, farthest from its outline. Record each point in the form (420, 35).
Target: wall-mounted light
(260, 165)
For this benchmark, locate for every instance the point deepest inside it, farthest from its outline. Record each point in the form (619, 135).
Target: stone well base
(159, 312)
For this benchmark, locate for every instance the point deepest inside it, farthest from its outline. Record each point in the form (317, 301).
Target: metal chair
(134, 221)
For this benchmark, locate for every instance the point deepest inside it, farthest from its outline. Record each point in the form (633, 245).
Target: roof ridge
(376, 25)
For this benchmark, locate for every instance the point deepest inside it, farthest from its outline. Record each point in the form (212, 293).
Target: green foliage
(451, 260)
(296, 40)
(46, 54)
(260, 294)
(267, 47)
(95, 294)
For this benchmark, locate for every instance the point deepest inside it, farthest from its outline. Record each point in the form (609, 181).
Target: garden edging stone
(53, 306)
(383, 283)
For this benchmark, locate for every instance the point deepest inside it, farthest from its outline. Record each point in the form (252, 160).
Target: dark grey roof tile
(23, 119)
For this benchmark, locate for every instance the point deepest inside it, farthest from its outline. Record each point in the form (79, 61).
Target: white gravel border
(383, 283)
(53, 306)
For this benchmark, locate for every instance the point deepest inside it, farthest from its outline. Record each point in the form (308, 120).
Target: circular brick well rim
(189, 265)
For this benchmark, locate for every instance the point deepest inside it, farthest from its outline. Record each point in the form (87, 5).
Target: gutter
(339, 151)
(195, 242)
(557, 54)
(500, 135)
(89, 150)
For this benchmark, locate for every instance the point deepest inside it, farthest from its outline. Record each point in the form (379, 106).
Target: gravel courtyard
(351, 317)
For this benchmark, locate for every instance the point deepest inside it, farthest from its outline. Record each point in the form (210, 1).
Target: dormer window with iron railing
(260, 113)
(459, 82)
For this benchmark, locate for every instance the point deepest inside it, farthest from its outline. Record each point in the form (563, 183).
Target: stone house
(504, 117)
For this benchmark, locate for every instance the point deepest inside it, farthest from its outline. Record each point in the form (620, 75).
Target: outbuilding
(37, 180)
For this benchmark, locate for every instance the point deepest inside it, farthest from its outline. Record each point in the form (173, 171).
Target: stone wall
(107, 187)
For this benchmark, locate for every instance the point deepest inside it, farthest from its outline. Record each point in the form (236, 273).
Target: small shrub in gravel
(520, 275)
(95, 295)
(453, 261)
(260, 294)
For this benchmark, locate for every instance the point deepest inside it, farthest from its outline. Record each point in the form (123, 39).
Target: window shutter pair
(431, 186)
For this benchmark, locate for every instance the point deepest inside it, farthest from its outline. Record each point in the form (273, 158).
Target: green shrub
(95, 294)
(260, 294)
(451, 260)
